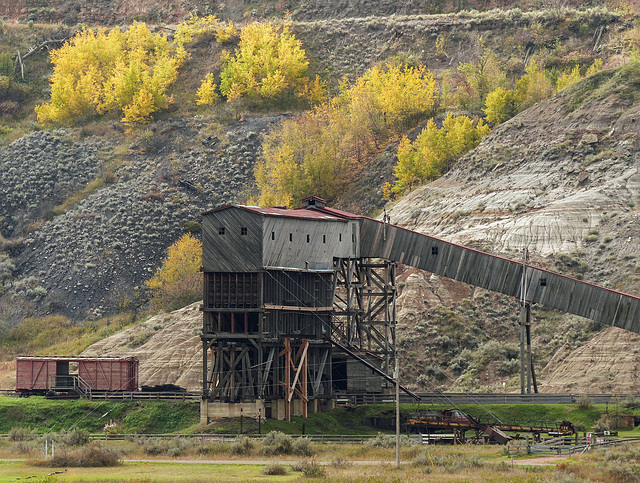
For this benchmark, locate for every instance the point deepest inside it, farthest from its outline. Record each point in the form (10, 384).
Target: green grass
(18, 470)
(60, 415)
(183, 416)
(58, 335)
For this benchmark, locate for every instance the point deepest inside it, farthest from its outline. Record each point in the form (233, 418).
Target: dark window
(290, 236)
(434, 250)
(273, 235)
(340, 236)
(543, 282)
(353, 238)
(221, 230)
(308, 238)
(324, 238)
(243, 230)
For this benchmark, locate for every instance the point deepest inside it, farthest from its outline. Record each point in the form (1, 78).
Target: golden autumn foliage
(269, 65)
(102, 71)
(320, 151)
(435, 150)
(467, 86)
(207, 91)
(196, 27)
(178, 282)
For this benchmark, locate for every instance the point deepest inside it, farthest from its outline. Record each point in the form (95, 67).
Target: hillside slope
(562, 180)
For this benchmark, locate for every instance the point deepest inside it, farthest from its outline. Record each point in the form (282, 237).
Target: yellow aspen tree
(178, 282)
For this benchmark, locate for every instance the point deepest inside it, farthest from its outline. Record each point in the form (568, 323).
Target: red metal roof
(301, 213)
(75, 358)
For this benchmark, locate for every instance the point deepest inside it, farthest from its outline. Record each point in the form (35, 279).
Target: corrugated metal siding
(311, 244)
(232, 251)
(499, 274)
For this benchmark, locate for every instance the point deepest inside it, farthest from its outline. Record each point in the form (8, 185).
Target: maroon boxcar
(104, 374)
(39, 375)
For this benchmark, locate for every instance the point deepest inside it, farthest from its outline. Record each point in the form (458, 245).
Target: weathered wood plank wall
(499, 274)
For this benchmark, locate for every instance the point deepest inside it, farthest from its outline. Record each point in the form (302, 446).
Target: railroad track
(426, 398)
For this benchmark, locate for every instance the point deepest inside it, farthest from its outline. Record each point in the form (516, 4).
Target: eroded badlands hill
(562, 180)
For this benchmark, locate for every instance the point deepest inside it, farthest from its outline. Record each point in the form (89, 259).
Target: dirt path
(542, 461)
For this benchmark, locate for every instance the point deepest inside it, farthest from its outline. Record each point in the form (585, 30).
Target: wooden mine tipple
(75, 375)
(289, 294)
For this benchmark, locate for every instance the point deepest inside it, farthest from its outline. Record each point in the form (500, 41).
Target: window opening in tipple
(290, 237)
(308, 238)
(273, 235)
(221, 230)
(243, 230)
(434, 250)
(324, 238)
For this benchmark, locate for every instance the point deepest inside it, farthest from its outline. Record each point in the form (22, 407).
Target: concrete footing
(253, 409)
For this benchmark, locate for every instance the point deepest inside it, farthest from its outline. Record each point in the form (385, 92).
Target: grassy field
(341, 463)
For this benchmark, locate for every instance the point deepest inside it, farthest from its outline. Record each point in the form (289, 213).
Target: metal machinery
(289, 294)
(430, 423)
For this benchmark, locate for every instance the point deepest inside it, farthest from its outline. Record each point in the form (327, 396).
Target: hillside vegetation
(139, 129)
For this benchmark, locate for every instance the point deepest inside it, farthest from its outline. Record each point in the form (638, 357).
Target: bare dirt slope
(609, 363)
(167, 345)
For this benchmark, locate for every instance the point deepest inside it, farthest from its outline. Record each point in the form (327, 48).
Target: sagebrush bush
(23, 447)
(276, 443)
(302, 447)
(242, 445)
(75, 437)
(275, 469)
(22, 434)
(154, 446)
(310, 469)
(85, 457)
(584, 402)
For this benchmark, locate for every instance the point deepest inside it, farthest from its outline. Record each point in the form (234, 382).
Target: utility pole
(397, 378)
(523, 315)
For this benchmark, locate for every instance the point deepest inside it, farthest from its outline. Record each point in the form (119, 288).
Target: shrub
(192, 227)
(207, 91)
(584, 402)
(275, 469)
(382, 441)
(242, 445)
(22, 434)
(310, 469)
(23, 447)
(154, 446)
(75, 437)
(302, 447)
(89, 456)
(276, 443)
